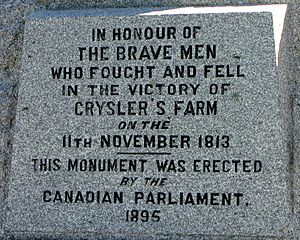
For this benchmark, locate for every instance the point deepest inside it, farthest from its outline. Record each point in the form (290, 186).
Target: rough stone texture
(40, 127)
(293, 51)
(12, 20)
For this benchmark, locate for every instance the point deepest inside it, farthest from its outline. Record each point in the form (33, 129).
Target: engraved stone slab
(136, 122)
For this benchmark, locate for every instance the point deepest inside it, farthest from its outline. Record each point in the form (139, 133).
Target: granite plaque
(136, 122)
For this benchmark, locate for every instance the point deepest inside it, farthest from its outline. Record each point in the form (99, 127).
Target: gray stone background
(12, 18)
